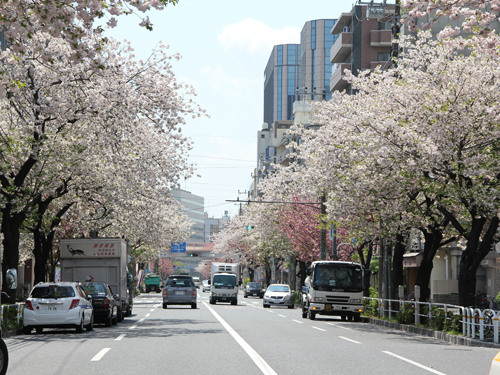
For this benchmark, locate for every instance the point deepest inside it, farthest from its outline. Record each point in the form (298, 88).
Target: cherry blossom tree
(427, 127)
(110, 136)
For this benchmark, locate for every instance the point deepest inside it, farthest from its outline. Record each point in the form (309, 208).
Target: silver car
(279, 295)
(179, 290)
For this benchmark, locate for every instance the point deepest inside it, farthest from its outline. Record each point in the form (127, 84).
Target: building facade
(281, 78)
(193, 206)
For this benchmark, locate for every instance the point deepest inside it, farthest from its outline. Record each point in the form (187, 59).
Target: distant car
(254, 289)
(57, 305)
(278, 295)
(179, 290)
(206, 286)
(103, 302)
(197, 281)
(495, 365)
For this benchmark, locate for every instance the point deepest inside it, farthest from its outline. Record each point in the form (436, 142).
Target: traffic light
(193, 255)
(249, 227)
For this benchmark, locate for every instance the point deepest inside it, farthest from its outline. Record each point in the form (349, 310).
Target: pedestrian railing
(476, 323)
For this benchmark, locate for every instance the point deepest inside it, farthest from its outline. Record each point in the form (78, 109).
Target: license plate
(51, 308)
(179, 293)
(254, 294)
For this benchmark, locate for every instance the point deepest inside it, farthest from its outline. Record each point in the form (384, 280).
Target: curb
(442, 336)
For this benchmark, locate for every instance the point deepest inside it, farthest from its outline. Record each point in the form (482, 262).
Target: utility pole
(322, 243)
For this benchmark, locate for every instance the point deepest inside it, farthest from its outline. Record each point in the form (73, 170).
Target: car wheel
(114, 320)
(234, 302)
(109, 321)
(245, 296)
(4, 358)
(164, 305)
(129, 311)
(312, 315)
(291, 306)
(304, 314)
(343, 317)
(79, 329)
(266, 306)
(27, 330)
(119, 316)
(90, 326)
(212, 301)
(39, 329)
(357, 317)
(193, 305)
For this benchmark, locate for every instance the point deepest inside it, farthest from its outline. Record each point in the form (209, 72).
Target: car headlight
(355, 301)
(319, 299)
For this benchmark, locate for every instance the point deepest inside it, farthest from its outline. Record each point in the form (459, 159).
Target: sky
(225, 46)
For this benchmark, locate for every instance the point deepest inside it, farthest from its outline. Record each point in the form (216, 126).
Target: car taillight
(165, 291)
(28, 305)
(74, 303)
(106, 303)
(194, 292)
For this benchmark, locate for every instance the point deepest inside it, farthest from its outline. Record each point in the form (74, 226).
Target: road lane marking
(336, 325)
(120, 337)
(319, 329)
(345, 338)
(297, 321)
(152, 310)
(415, 363)
(99, 355)
(146, 315)
(256, 358)
(140, 320)
(270, 311)
(282, 315)
(132, 327)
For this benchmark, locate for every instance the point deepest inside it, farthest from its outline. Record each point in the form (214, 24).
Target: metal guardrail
(473, 319)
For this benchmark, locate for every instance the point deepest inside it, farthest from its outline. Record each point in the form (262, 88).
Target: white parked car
(206, 286)
(58, 305)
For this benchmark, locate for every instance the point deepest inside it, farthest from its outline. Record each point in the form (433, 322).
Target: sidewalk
(451, 339)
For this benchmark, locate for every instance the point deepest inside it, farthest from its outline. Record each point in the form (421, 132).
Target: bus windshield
(338, 277)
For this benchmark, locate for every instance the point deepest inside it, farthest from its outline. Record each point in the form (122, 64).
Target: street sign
(178, 247)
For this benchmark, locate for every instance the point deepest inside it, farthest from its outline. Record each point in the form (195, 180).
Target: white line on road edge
(132, 327)
(258, 360)
(99, 355)
(120, 337)
(345, 338)
(415, 363)
(319, 329)
(297, 321)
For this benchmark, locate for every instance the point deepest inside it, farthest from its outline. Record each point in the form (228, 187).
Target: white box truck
(333, 288)
(99, 259)
(224, 282)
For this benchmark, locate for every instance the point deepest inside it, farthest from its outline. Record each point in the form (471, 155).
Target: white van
(197, 282)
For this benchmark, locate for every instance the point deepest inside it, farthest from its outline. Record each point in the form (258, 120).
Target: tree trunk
(397, 266)
(11, 223)
(478, 246)
(302, 273)
(432, 244)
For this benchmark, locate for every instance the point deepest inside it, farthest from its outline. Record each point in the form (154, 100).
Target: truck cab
(333, 288)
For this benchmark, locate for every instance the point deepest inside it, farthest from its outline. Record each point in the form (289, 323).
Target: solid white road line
(345, 338)
(258, 360)
(120, 337)
(415, 363)
(319, 329)
(99, 355)
(297, 321)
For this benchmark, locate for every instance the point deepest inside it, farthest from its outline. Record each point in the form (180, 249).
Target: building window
(384, 56)
(263, 136)
(384, 25)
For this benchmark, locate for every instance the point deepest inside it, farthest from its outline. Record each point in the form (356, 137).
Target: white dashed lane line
(283, 316)
(120, 337)
(415, 363)
(99, 355)
(319, 329)
(345, 338)
(132, 327)
(297, 321)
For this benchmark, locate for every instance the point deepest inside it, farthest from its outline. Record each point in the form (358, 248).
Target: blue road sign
(178, 247)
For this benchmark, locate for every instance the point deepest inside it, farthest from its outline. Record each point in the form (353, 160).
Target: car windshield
(333, 276)
(94, 289)
(224, 281)
(255, 285)
(52, 291)
(176, 283)
(278, 288)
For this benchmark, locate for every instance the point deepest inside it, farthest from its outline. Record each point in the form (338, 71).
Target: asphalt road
(242, 339)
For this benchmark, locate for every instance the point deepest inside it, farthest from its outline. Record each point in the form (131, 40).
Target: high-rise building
(315, 66)
(281, 79)
(193, 206)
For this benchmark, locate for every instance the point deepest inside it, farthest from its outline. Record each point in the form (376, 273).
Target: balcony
(337, 82)
(341, 49)
(380, 38)
(383, 64)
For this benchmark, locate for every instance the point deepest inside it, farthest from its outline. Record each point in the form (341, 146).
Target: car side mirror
(116, 296)
(89, 297)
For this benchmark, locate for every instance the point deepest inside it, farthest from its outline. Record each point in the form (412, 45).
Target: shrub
(9, 321)
(406, 314)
